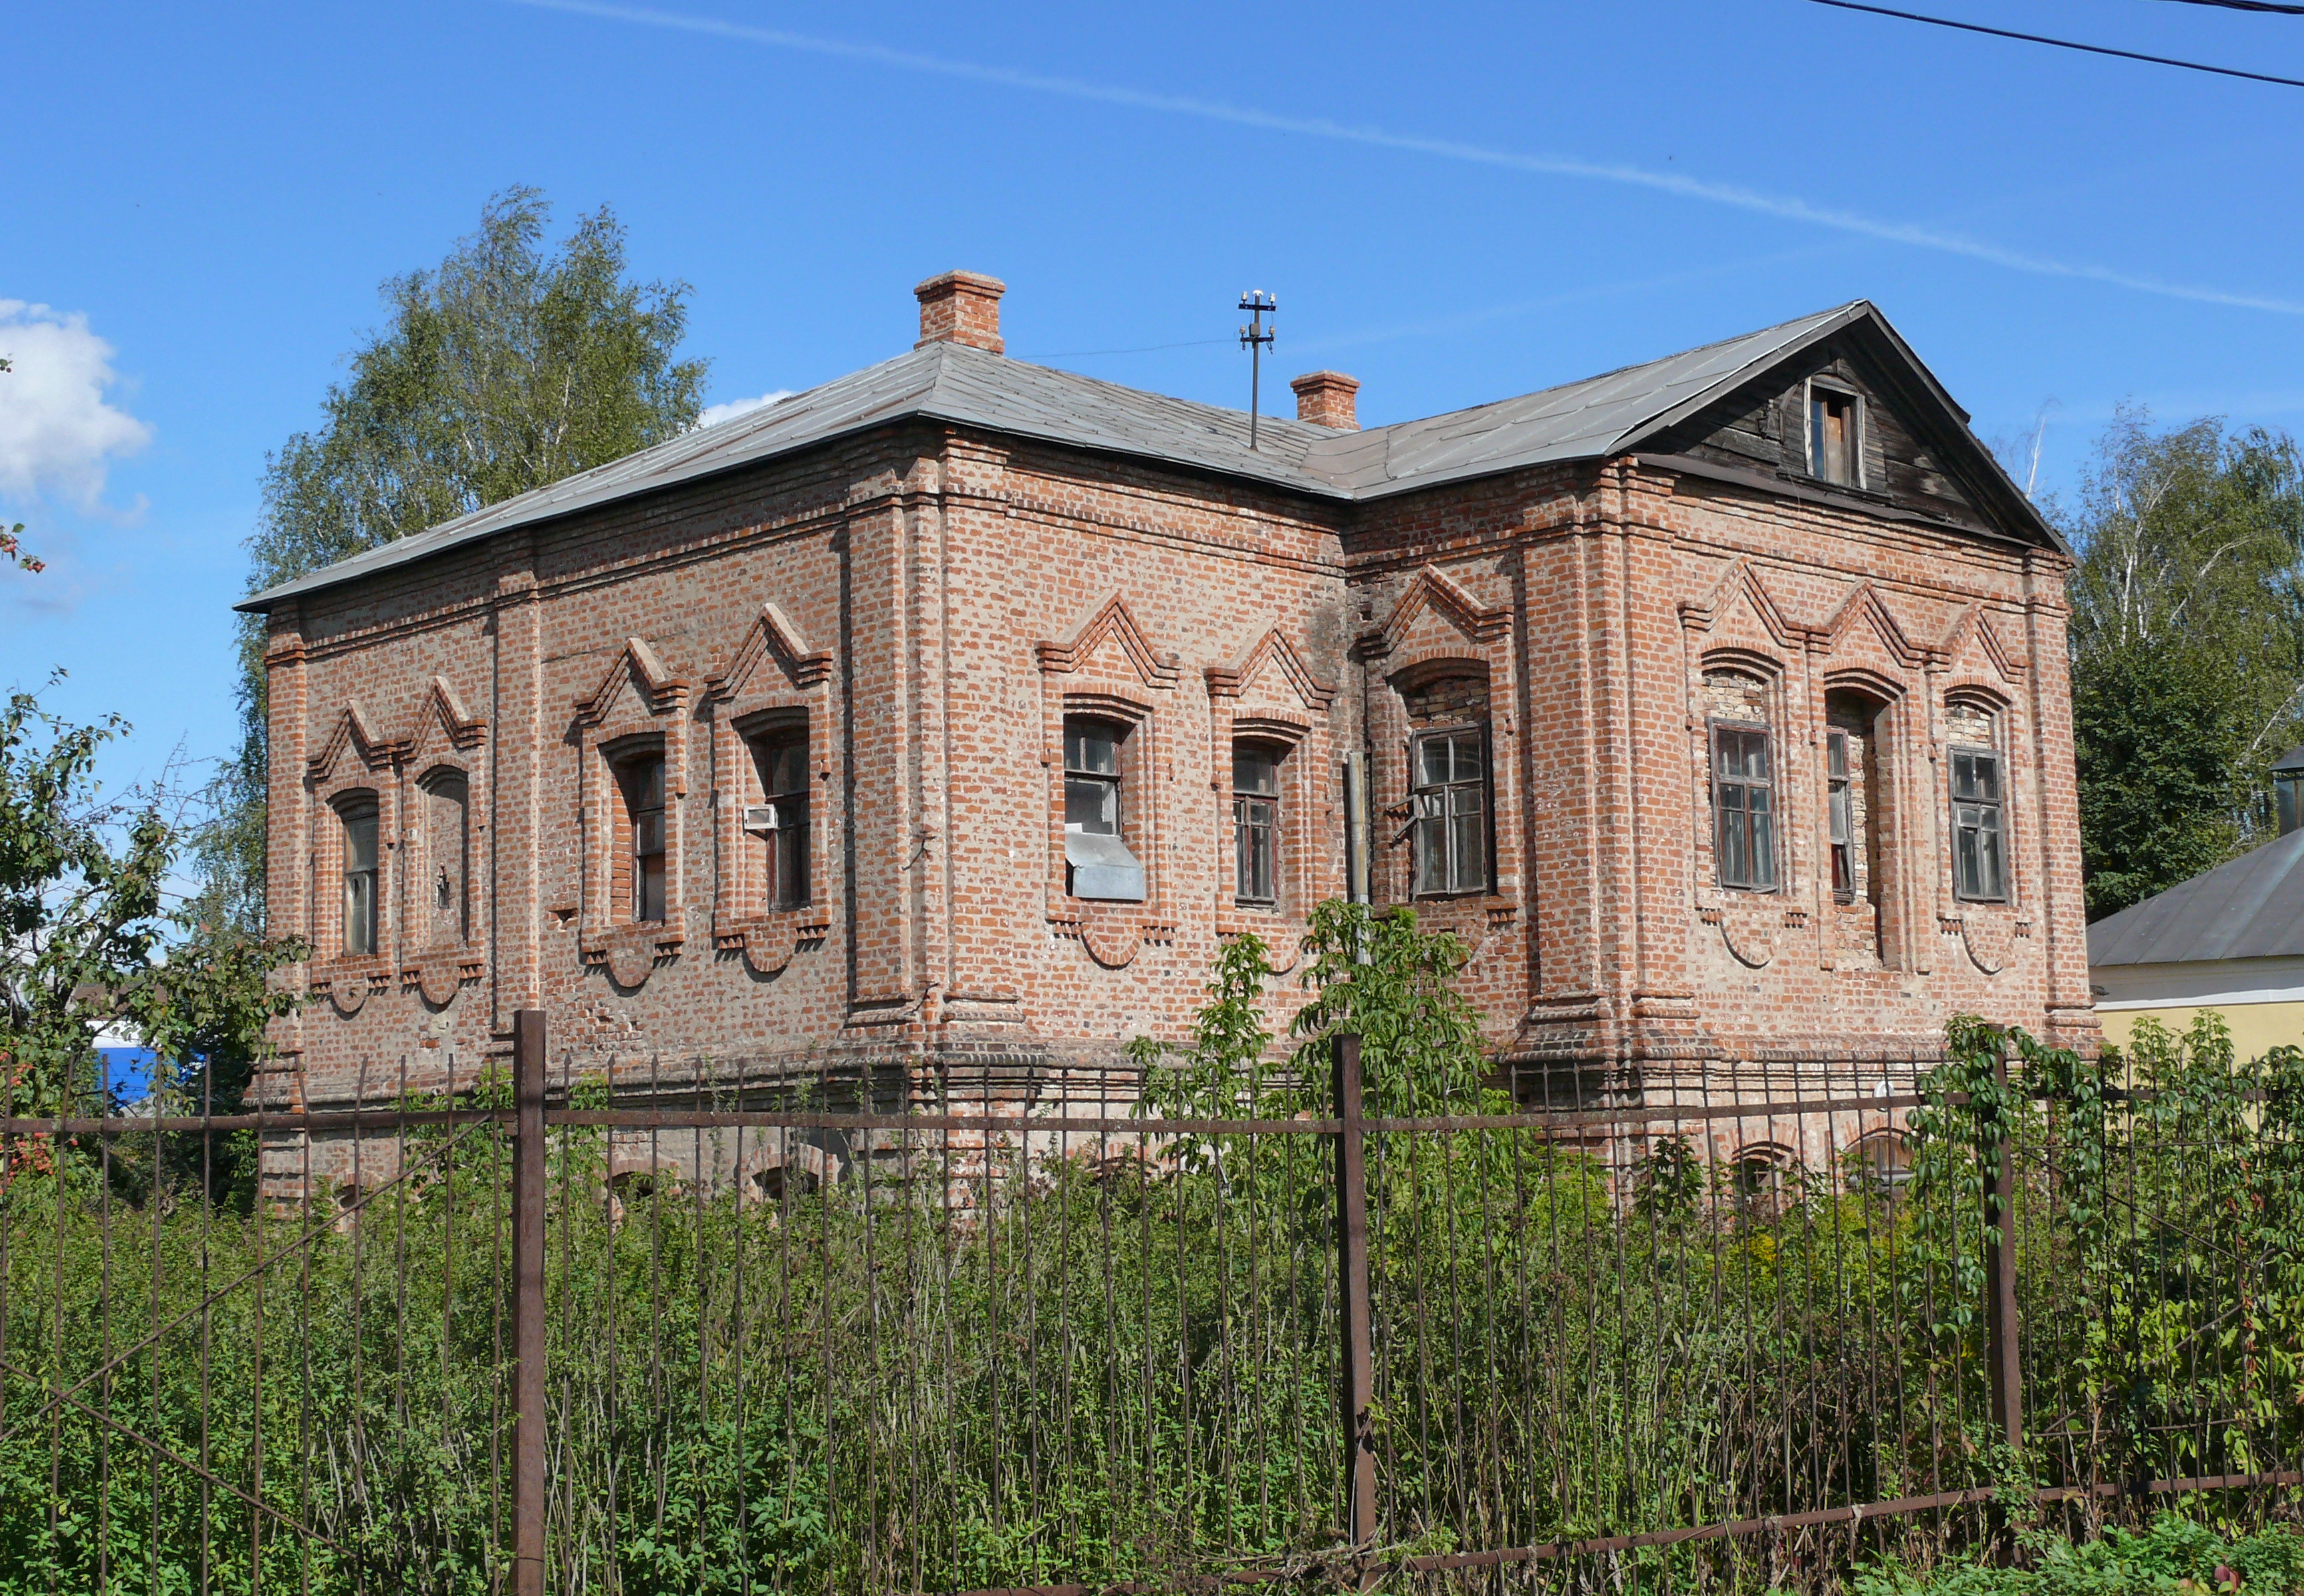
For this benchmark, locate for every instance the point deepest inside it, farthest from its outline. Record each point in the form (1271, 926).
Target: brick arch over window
(355, 769)
(1984, 790)
(774, 688)
(639, 707)
(1109, 668)
(441, 955)
(1441, 626)
(1271, 697)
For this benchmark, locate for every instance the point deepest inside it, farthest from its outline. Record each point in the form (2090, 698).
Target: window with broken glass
(1744, 808)
(1978, 824)
(1451, 811)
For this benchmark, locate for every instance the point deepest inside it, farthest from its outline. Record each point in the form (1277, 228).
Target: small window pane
(1091, 747)
(1255, 769)
(1092, 804)
(359, 840)
(1436, 762)
(1835, 753)
(360, 912)
(785, 768)
(1764, 840)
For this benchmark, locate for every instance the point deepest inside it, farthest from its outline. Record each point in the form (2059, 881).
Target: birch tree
(509, 366)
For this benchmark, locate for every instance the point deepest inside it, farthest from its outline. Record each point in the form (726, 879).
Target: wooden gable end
(1763, 427)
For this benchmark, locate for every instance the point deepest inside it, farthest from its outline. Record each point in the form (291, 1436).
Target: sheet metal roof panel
(948, 382)
(2252, 907)
(1579, 421)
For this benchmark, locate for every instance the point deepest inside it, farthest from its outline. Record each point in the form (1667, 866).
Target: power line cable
(2263, 6)
(1073, 354)
(2061, 44)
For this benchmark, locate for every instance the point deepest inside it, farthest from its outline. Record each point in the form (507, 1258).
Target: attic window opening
(1835, 436)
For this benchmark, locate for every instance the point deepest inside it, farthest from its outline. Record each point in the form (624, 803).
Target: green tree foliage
(2188, 647)
(87, 937)
(511, 365)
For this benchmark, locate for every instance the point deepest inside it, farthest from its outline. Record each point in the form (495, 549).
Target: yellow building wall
(2257, 1027)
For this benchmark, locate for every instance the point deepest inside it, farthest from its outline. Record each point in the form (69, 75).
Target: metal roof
(2251, 908)
(955, 383)
(2293, 760)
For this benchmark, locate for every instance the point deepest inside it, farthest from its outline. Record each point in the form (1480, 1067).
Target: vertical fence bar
(2001, 1351)
(1357, 1367)
(528, 1161)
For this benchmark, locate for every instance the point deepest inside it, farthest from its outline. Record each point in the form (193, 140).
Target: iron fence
(882, 1330)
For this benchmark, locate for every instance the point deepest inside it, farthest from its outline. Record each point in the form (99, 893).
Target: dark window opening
(359, 816)
(1743, 809)
(1256, 823)
(1978, 823)
(1834, 441)
(782, 820)
(643, 786)
(447, 796)
(1841, 808)
(1451, 811)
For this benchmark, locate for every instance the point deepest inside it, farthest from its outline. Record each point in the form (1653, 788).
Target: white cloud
(713, 414)
(57, 434)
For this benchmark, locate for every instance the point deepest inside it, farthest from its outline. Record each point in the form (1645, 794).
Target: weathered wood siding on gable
(1763, 426)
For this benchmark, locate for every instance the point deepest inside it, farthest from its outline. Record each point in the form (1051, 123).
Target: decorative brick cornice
(1703, 613)
(1110, 619)
(657, 686)
(1273, 648)
(772, 636)
(1434, 590)
(1866, 604)
(353, 729)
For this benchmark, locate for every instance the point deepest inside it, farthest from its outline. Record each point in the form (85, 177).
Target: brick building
(951, 714)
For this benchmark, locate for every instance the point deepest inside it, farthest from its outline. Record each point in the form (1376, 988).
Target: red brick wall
(940, 600)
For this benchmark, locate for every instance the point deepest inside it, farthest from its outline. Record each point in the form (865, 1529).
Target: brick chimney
(1326, 399)
(960, 307)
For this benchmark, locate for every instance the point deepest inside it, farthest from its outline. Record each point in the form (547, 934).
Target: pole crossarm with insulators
(1253, 338)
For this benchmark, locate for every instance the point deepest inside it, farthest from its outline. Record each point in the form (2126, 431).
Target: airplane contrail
(1785, 207)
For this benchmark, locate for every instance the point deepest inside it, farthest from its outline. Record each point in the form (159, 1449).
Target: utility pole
(1253, 338)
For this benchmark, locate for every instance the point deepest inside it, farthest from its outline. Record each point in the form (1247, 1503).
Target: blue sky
(1453, 202)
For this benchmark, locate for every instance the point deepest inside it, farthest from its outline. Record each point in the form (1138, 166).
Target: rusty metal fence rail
(546, 1330)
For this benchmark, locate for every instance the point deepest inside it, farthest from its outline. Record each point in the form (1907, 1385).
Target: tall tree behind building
(2188, 647)
(508, 368)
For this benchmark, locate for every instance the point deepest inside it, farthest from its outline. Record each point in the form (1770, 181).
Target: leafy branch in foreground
(88, 937)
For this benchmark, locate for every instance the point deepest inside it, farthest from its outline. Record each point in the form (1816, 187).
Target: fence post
(528, 1320)
(1352, 1273)
(2000, 1349)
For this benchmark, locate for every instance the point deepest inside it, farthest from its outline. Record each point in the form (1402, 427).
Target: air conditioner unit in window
(760, 819)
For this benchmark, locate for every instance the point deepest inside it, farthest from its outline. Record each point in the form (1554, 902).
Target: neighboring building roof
(1596, 418)
(2252, 908)
(2293, 760)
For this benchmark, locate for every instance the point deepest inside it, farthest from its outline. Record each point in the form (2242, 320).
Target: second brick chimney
(1327, 399)
(960, 307)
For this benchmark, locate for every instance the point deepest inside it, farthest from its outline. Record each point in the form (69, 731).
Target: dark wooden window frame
(787, 878)
(1858, 422)
(1839, 783)
(1258, 821)
(1969, 813)
(1746, 785)
(1426, 821)
(363, 895)
(638, 841)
